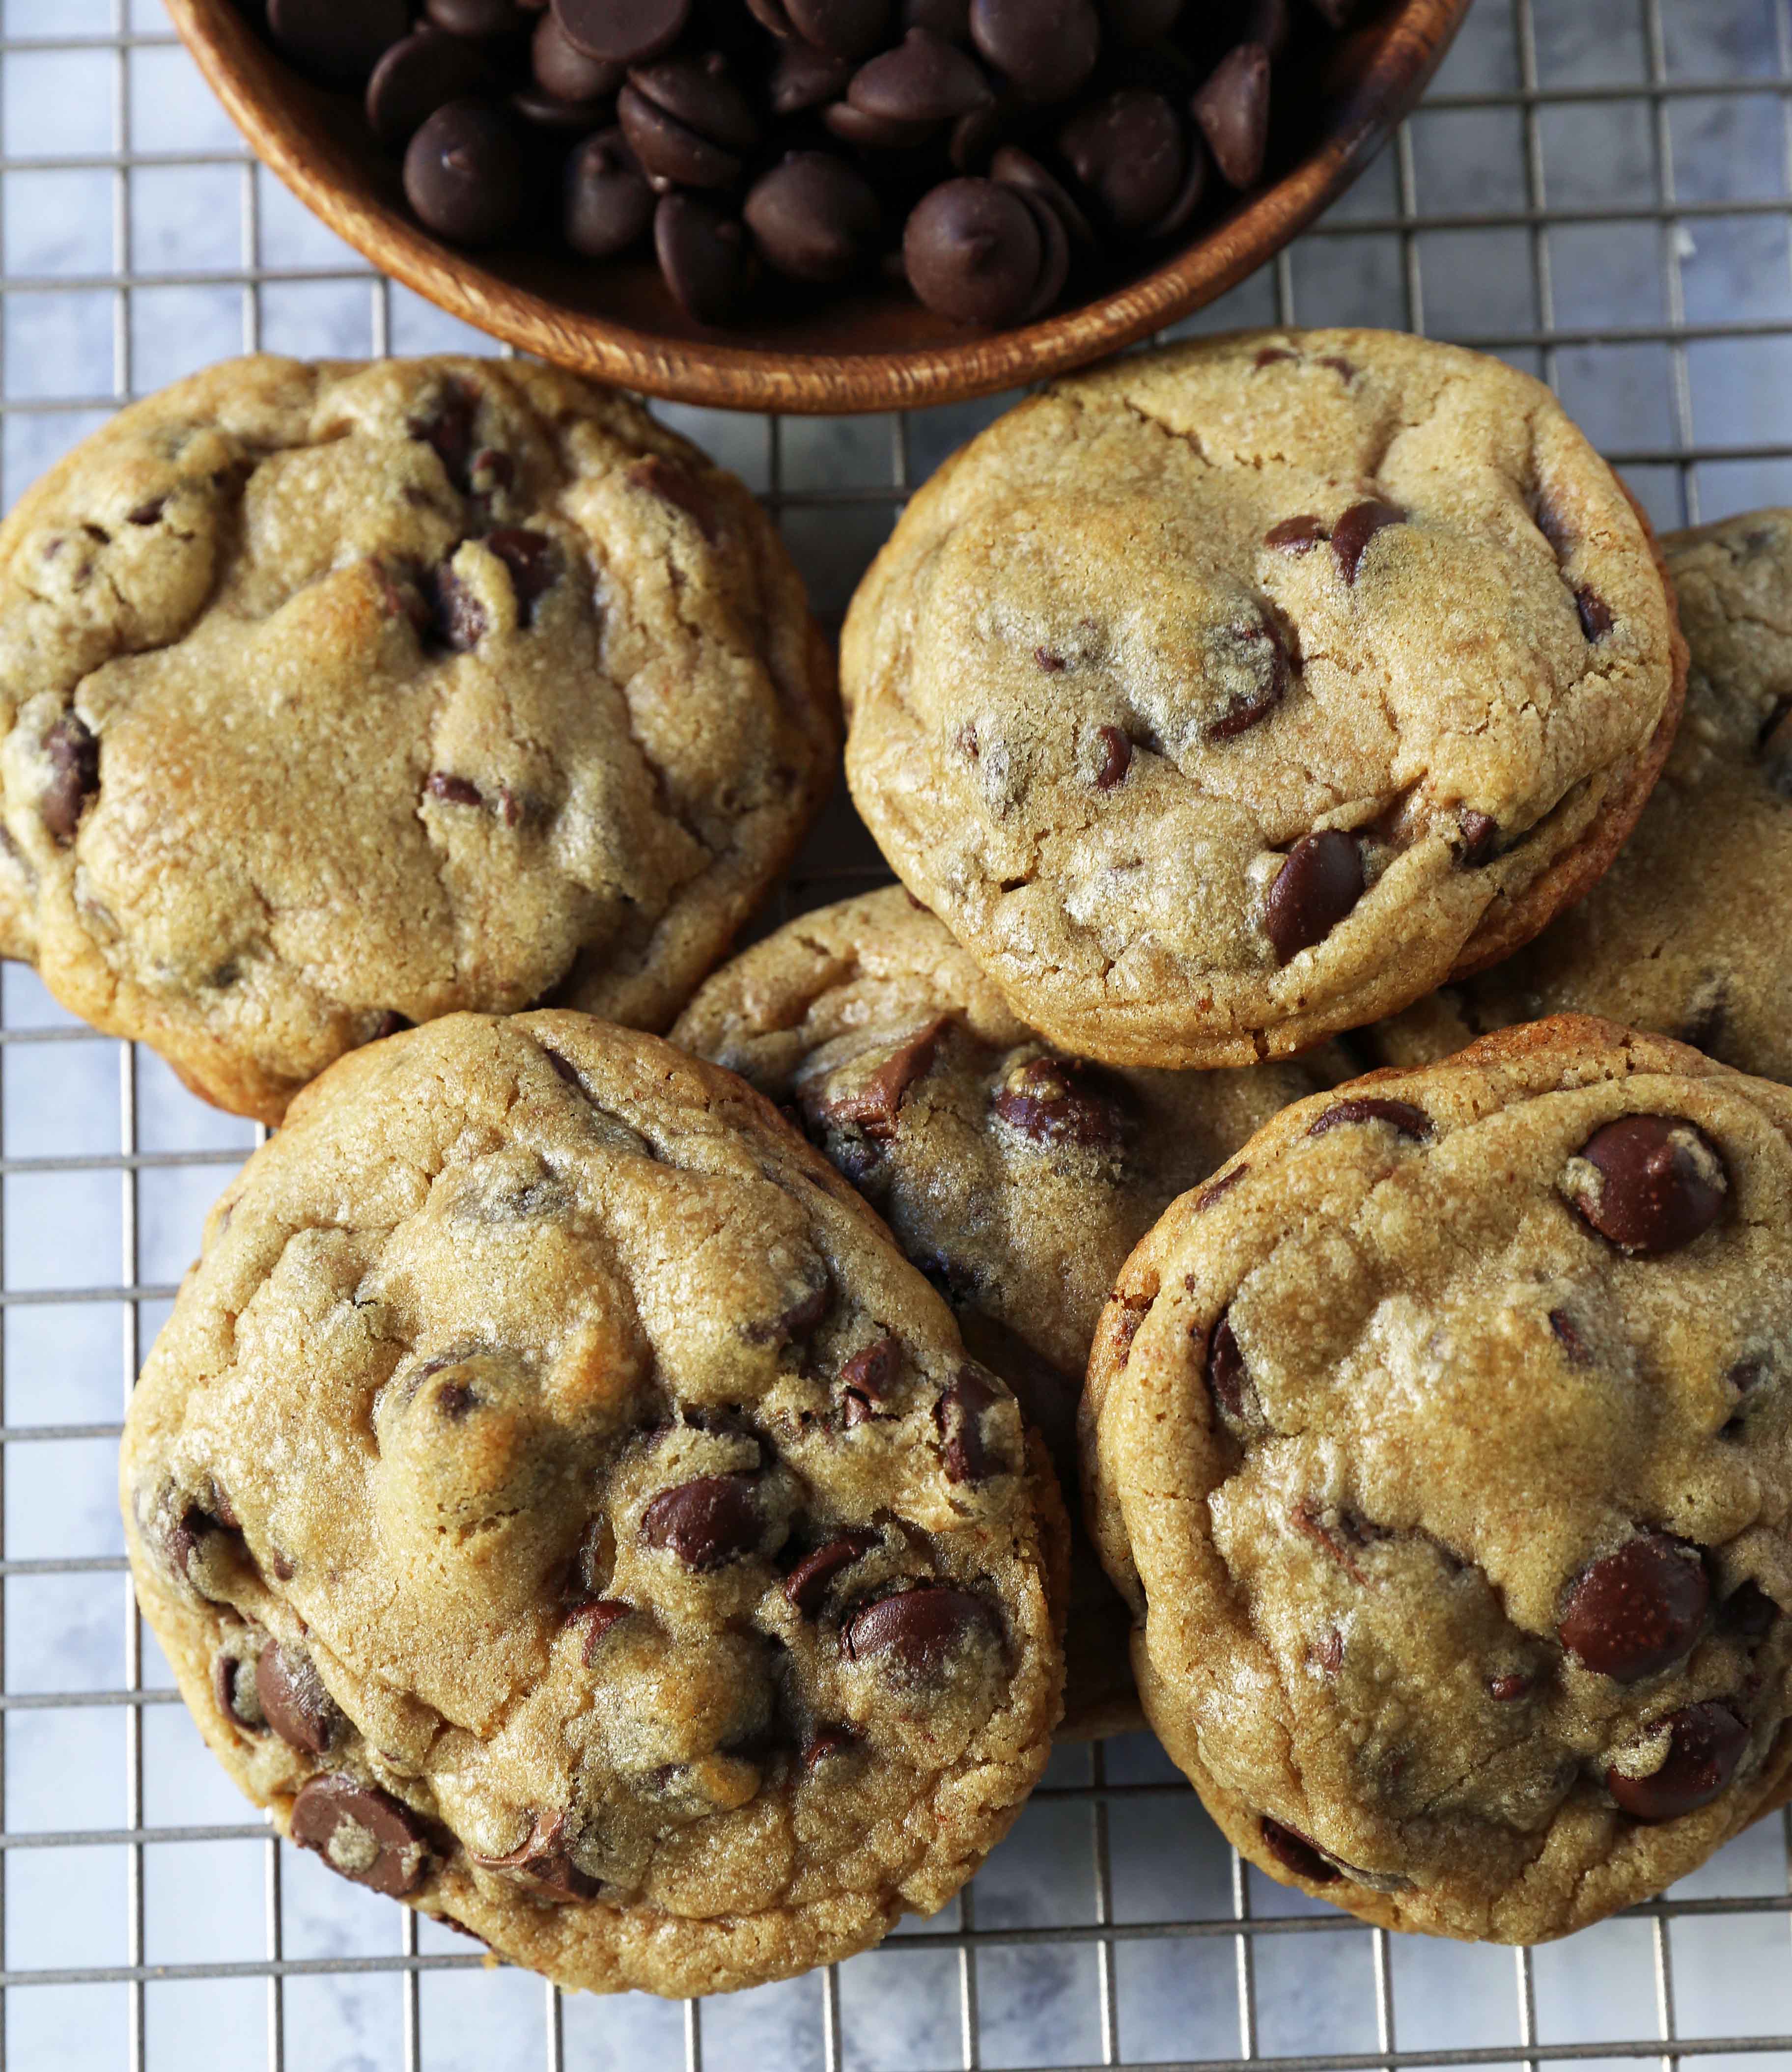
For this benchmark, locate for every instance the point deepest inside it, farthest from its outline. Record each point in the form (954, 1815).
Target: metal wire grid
(800, 494)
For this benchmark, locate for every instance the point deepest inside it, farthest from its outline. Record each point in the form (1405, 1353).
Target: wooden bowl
(876, 349)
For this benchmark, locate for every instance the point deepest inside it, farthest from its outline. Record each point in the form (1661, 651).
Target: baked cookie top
(334, 698)
(563, 1505)
(1016, 1178)
(1687, 932)
(1234, 694)
(1445, 1442)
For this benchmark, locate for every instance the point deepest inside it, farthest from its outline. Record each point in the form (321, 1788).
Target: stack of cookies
(651, 1503)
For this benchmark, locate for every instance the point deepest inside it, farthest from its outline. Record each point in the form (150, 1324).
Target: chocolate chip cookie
(1239, 693)
(1017, 1179)
(1444, 1445)
(337, 697)
(1687, 932)
(565, 1508)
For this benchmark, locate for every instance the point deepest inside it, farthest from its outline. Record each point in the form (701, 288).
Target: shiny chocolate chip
(73, 753)
(1053, 1101)
(1319, 881)
(704, 257)
(362, 1832)
(1116, 757)
(564, 72)
(1480, 839)
(424, 72)
(1402, 1117)
(448, 432)
(1657, 1183)
(1705, 1744)
(1636, 1612)
(806, 1584)
(814, 217)
(804, 78)
(608, 204)
(1294, 1852)
(541, 1862)
(873, 1369)
(1353, 533)
(966, 1453)
(1044, 48)
(917, 1630)
(452, 791)
(464, 174)
(1228, 1378)
(842, 28)
(876, 1106)
(924, 80)
(1295, 536)
(233, 1692)
(1231, 110)
(456, 618)
(707, 1523)
(294, 1701)
(624, 31)
(973, 252)
(1130, 151)
(1217, 1190)
(1595, 614)
(533, 563)
(826, 1742)
(1016, 168)
(593, 1619)
(1509, 1688)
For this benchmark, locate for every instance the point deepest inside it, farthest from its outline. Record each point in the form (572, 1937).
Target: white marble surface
(66, 1768)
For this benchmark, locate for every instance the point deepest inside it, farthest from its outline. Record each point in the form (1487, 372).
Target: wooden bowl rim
(236, 65)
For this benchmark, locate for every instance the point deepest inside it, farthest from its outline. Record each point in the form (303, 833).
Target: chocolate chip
(147, 513)
(74, 760)
(1294, 1852)
(707, 1523)
(478, 18)
(624, 32)
(1508, 1689)
(919, 1629)
(464, 174)
(687, 121)
(1294, 536)
(675, 485)
(1661, 1182)
(1319, 881)
(609, 204)
(1215, 1189)
(814, 217)
(1401, 1116)
(804, 78)
(533, 562)
(336, 43)
(827, 1741)
(183, 1539)
(452, 791)
(596, 1617)
(1053, 1101)
(1016, 168)
(1272, 356)
(1747, 1612)
(362, 1832)
(456, 618)
(540, 1860)
(233, 1690)
(294, 1702)
(873, 1369)
(1705, 1744)
(1596, 614)
(1480, 839)
(1228, 1378)
(564, 71)
(843, 28)
(973, 252)
(1635, 1612)
(1567, 1334)
(423, 71)
(1130, 151)
(923, 80)
(807, 1583)
(1116, 757)
(1046, 48)
(876, 1106)
(449, 432)
(703, 257)
(1232, 108)
(1353, 533)
(965, 1454)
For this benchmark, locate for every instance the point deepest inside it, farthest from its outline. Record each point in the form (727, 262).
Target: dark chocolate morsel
(452, 791)
(1595, 616)
(827, 1741)
(1130, 151)
(1353, 533)
(917, 1630)
(707, 1521)
(1295, 536)
(1480, 838)
(456, 618)
(563, 72)
(449, 432)
(842, 28)
(814, 217)
(872, 1370)
(294, 1702)
(1636, 1612)
(1227, 1375)
(1507, 1689)
(464, 174)
(232, 1689)
(1016, 168)
(1054, 1101)
(973, 252)
(624, 32)
(875, 1107)
(965, 1454)
(1294, 1852)
(1661, 1182)
(74, 759)
(804, 78)
(1044, 48)
(703, 255)
(540, 1860)
(532, 561)
(923, 80)
(1402, 1117)
(1216, 1190)
(1319, 881)
(594, 1617)
(478, 18)
(1231, 108)
(362, 1832)
(422, 72)
(1116, 757)
(609, 205)
(1705, 1744)
(806, 1584)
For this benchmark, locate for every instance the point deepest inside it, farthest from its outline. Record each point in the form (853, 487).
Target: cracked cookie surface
(334, 698)
(1444, 1445)
(1686, 931)
(1017, 1179)
(1238, 693)
(493, 1491)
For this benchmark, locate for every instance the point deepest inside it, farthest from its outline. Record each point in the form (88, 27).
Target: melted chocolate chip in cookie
(707, 1523)
(362, 1832)
(1657, 1183)
(1634, 1612)
(1320, 881)
(1705, 1744)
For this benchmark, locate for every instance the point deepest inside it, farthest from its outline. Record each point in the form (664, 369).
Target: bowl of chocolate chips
(818, 205)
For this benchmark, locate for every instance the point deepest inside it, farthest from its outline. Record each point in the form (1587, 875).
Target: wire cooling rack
(1598, 189)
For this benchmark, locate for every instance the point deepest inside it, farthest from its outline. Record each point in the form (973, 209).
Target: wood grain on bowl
(872, 349)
